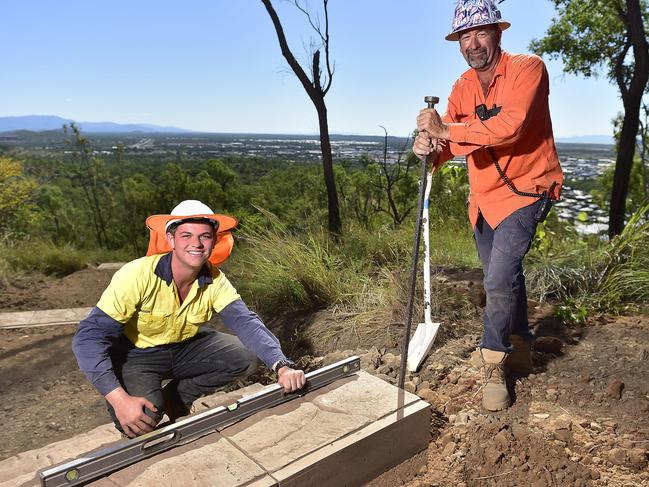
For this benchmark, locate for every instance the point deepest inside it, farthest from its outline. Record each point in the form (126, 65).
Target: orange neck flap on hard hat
(158, 243)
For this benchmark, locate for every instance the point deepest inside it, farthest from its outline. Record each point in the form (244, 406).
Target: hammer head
(431, 101)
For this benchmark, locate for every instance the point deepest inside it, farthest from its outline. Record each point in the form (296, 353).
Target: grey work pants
(199, 366)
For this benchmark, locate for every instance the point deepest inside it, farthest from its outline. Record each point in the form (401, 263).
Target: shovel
(425, 333)
(431, 101)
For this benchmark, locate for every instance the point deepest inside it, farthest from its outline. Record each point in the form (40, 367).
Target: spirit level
(103, 462)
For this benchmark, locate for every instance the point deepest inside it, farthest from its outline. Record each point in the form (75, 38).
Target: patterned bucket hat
(473, 13)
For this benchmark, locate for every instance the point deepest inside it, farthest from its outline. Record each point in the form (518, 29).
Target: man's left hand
(290, 379)
(429, 121)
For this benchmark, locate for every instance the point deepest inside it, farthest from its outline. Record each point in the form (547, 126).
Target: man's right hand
(425, 145)
(130, 412)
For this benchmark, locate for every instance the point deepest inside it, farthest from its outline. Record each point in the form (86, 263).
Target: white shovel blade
(420, 344)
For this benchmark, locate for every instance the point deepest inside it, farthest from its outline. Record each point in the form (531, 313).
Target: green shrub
(380, 247)
(626, 274)
(570, 269)
(279, 270)
(594, 276)
(364, 270)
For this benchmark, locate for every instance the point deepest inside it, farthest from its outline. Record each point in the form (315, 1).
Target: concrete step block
(19, 319)
(364, 454)
(275, 437)
(110, 266)
(21, 469)
(208, 461)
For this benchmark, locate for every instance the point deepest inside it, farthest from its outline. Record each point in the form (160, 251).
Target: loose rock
(392, 361)
(476, 360)
(334, 357)
(493, 456)
(449, 449)
(615, 388)
(461, 418)
(617, 456)
(371, 359)
(426, 394)
(410, 387)
(638, 457)
(383, 370)
(563, 434)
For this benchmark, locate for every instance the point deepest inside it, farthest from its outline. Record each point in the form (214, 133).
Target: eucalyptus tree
(589, 35)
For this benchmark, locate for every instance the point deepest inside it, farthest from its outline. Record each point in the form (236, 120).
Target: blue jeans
(199, 366)
(501, 252)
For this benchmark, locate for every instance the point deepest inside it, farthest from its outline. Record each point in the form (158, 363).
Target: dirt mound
(80, 289)
(571, 423)
(506, 450)
(44, 397)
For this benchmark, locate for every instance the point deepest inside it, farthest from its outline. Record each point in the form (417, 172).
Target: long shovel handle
(413, 273)
(426, 225)
(431, 101)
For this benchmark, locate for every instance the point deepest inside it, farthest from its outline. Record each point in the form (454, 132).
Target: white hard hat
(191, 210)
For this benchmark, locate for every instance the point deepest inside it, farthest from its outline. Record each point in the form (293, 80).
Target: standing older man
(498, 117)
(146, 325)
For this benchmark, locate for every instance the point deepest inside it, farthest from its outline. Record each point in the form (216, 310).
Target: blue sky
(215, 65)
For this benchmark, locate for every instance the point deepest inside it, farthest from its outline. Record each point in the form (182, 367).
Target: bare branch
(316, 70)
(288, 55)
(385, 145)
(324, 37)
(330, 68)
(314, 25)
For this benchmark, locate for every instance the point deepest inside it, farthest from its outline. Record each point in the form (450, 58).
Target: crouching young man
(146, 327)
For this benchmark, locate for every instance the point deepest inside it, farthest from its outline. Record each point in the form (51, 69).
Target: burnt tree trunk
(316, 91)
(334, 223)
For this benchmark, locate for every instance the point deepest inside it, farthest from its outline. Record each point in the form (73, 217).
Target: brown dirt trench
(582, 419)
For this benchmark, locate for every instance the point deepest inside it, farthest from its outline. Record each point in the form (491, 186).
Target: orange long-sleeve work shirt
(520, 136)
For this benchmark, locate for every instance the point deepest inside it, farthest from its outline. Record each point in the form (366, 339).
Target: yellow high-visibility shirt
(143, 297)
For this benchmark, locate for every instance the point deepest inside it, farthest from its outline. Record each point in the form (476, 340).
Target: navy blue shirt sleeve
(252, 332)
(91, 345)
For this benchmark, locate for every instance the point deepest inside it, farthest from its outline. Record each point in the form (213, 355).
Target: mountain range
(40, 123)
(587, 139)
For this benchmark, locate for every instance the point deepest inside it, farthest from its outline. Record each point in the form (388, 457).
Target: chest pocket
(154, 326)
(191, 325)
(198, 319)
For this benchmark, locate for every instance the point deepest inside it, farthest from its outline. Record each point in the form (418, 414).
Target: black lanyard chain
(484, 114)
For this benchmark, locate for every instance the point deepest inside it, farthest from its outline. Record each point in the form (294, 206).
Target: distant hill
(39, 123)
(587, 139)
(42, 123)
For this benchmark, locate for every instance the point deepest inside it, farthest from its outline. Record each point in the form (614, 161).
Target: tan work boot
(495, 395)
(519, 362)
